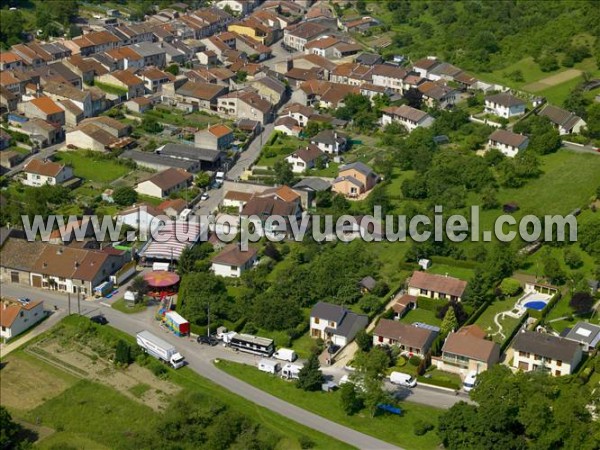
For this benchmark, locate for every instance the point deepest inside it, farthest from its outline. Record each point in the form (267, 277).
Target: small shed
(367, 284)
(424, 263)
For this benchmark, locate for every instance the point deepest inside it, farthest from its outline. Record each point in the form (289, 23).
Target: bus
(252, 344)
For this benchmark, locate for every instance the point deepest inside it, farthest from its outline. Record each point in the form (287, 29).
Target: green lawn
(176, 117)
(452, 271)
(422, 315)
(92, 168)
(486, 320)
(121, 305)
(391, 428)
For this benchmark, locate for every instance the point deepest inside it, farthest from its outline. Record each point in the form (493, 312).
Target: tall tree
(310, 377)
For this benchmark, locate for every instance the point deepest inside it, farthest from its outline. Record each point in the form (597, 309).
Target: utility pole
(69, 302)
(78, 302)
(208, 319)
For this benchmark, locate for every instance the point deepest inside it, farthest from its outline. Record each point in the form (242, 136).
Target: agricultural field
(68, 393)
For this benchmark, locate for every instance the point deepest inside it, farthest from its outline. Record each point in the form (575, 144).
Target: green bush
(429, 304)
(306, 442)
(414, 361)
(422, 427)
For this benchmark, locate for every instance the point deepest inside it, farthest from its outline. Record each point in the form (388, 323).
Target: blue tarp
(390, 409)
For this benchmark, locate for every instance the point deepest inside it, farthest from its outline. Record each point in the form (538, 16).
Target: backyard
(487, 320)
(93, 167)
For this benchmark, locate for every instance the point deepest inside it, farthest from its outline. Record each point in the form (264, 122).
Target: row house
(254, 29)
(391, 77)
(10, 61)
(93, 42)
(195, 95)
(32, 57)
(436, 94)
(246, 105)
(86, 68)
(298, 35)
(352, 74)
(43, 108)
(154, 78)
(125, 58)
(153, 54)
(133, 33)
(62, 91)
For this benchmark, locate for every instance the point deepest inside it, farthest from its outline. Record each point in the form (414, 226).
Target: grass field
(121, 305)
(394, 429)
(452, 271)
(90, 168)
(422, 315)
(89, 414)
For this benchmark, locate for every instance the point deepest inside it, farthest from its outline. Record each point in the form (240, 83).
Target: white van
(185, 214)
(470, 381)
(285, 354)
(269, 366)
(402, 379)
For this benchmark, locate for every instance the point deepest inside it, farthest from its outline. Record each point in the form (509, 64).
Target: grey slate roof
(313, 184)
(154, 158)
(545, 345)
(348, 322)
(189, 152)
(585, 333)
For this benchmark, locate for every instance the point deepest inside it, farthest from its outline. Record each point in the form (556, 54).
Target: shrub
(429, 304)
(422, 427)
(306, 442)
(414, 361)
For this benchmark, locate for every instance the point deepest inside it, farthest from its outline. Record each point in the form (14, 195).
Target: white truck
(285, 354)
(219, 178)
(160, 349)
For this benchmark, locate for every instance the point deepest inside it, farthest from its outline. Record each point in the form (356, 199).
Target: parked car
(210, 340)
(470, 381)
(99, 319)
(204, 196)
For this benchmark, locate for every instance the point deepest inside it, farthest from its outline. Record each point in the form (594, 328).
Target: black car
(210, 340)
(99, 319)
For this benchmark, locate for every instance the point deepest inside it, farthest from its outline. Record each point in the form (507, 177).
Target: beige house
(165, 183)
(467, 350)
(354, 180)
(408, 338)
(124, 80)
(423, 284)
(43, 108)
(215, 137)
(531, 351)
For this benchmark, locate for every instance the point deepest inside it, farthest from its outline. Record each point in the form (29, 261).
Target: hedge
(454, 262)
(430, 304)
(440, 383)
(509, 339)
(473, 317)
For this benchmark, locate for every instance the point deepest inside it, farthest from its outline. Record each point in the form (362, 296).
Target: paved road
(42, 154)
(200, 360)
(580, 148)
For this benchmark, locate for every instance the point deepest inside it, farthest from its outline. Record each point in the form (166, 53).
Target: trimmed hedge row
(509, 339)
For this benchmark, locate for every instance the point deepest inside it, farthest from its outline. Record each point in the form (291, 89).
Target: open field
(552, 80)
(93, 169)
(83, 401)
(394, 429)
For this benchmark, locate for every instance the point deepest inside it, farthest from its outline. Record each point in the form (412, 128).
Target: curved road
(201, 362)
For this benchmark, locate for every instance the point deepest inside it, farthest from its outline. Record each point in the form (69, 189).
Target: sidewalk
(53, 319)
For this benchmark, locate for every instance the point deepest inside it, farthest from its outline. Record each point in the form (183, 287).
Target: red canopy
(161, 279)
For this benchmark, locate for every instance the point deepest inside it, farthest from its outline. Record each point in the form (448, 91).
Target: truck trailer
(177, 324)
(160, 349)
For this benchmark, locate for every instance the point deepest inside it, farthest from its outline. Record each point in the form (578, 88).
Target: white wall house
(335, 324)
(16, 317)
(410, 118)
(144, 217)
(507, 142)
(423, 284)
(504, 105)
(231, 262)
(39, 173)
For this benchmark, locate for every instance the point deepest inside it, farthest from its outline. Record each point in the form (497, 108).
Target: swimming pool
(538, 305)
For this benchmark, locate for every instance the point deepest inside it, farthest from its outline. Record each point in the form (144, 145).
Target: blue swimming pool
(538, 305)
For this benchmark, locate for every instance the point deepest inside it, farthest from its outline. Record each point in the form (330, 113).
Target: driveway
(200, 359)
(580, 148)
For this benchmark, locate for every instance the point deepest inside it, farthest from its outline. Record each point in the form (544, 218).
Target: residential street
(200, 359)
(42, 154)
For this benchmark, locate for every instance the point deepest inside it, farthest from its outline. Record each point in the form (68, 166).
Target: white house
(410, 118)
(304, 159)
(38, 173)
(408, 338)
(236, 199)
(565, 122)
(239, 7)
(531, 351)
(330, 141)
(335, 324)
(587, 334)
(504, 105)
(165, 183)
(143, 217)
(507, 142)
(18, 316)
(233, 261)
